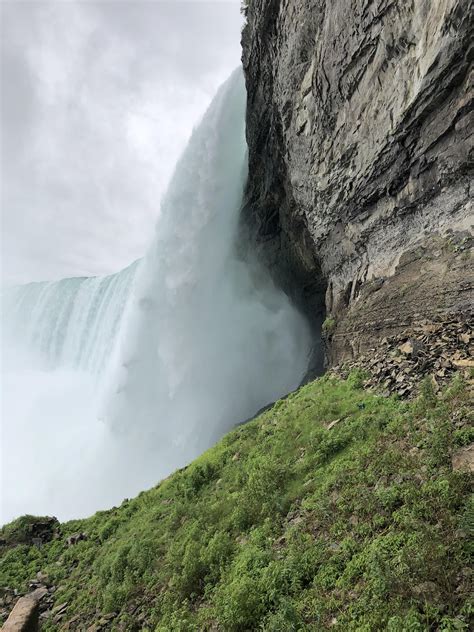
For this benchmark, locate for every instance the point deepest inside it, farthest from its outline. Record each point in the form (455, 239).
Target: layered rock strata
(359, 126)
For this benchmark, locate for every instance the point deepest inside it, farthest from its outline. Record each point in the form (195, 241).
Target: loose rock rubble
(437, 350)
(41, 590)
(49, 606)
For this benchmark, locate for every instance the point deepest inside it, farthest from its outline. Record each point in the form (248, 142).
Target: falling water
(70, 323)
(183, 345)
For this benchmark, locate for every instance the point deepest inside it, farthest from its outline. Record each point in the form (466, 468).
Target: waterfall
(71, 323)
(176, 349)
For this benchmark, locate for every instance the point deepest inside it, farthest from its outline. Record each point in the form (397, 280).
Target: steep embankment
(359, 126)
(335, 509)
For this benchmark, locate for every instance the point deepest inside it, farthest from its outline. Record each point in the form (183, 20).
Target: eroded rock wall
(359, 125)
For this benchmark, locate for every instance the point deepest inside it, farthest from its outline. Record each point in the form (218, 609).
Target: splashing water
(140, 372)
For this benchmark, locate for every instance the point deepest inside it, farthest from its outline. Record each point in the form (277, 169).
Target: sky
(98, 100)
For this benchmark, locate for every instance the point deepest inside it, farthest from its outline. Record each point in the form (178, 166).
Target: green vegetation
(329, 325)
(286, 525)
(23, 530)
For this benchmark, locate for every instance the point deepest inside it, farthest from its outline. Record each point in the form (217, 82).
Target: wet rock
(359, 196)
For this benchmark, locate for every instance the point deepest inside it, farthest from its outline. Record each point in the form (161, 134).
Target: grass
(286, 525)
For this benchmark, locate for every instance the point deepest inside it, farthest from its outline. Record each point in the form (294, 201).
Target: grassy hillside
(335, 509)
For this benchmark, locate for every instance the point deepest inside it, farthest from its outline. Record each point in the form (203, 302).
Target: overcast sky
(97, 102)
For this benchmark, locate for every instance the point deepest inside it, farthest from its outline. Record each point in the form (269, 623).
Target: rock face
(29, 530)
(360, 148)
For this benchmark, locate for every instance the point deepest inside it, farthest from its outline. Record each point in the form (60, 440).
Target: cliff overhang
(359, 127)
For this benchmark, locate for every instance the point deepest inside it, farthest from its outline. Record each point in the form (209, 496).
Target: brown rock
(42, 577)
(407, 348)
(60, 608)
(463, 362)
(23, 617)
(463, 459)
(39, 593)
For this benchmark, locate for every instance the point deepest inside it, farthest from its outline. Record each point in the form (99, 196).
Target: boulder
(463, 459)
(23, 617)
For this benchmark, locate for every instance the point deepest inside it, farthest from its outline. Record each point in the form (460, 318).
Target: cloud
(98, 100)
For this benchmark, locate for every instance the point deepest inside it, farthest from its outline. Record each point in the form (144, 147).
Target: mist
(116, 382)
(98, 100)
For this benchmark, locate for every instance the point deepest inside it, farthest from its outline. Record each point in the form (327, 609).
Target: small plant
(428, 394)
(464, 436)
(357, 377)
(329, 325)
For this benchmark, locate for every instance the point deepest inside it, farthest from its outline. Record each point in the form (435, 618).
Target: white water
(118, 381)
(71, 323)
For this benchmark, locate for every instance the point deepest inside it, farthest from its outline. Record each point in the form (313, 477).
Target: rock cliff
(360, 155)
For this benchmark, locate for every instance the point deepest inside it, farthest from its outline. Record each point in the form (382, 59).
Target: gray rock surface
(359, 126)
